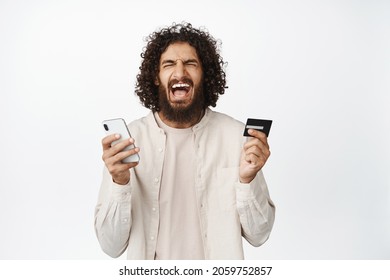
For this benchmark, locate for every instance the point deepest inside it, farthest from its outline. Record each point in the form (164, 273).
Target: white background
(319, 69)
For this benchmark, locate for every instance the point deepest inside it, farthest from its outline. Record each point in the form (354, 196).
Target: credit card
(258, 124)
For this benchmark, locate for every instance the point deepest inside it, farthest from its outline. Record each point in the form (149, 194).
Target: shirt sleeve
(113, 216)
(256, 210)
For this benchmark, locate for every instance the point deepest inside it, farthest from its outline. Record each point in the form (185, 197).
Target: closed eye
(191, 63)
(168, 63)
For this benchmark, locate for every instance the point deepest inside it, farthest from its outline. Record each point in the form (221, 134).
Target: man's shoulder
(142, 123)
(218, 119)
(225, 129)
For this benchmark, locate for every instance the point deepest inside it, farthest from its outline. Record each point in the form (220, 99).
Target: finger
(120, 168)
(263, 143)
(118, 147)
(254, 150)
(113, 158)
(258, 134)
(106, 141)
(252, 159)
(260, 150)
(256, 142)
(124, 154)
(252, 142)
(257, 162)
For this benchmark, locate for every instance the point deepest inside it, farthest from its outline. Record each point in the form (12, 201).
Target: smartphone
(118, 126)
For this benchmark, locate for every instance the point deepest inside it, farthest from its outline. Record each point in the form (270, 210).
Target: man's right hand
(113, 156)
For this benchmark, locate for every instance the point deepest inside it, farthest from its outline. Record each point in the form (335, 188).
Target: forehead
(179, 50)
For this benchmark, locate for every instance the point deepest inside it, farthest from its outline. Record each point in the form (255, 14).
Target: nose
(179, 70)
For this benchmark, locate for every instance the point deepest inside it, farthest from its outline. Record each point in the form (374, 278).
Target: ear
(156, 82)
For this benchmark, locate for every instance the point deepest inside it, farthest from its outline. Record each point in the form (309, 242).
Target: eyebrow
(168, 61)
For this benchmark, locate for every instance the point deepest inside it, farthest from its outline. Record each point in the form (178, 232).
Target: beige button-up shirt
(127, 217)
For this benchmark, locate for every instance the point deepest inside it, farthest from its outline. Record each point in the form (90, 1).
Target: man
(198, 187)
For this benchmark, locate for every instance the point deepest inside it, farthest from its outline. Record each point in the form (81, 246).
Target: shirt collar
(203, 122)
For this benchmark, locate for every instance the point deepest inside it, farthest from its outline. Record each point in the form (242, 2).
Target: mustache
(184, 80)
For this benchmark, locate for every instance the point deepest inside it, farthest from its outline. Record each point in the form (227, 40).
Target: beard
(179, 112)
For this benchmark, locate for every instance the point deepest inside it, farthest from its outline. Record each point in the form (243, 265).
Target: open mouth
(180, 91)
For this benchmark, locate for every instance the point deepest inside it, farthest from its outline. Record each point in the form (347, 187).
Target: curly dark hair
(214, 77)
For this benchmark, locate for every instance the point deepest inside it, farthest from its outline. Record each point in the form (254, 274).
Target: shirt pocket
(226, 180)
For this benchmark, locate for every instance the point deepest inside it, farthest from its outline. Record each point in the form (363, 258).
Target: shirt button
(156, 180)
(152, 238)
(125, 220)
(153, 209)
(160, 150)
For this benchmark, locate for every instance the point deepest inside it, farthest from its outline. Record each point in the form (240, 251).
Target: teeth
(180, 85)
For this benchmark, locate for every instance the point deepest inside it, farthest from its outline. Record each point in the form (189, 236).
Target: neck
(175, 124)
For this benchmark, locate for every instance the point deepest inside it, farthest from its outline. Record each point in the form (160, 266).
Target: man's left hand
(253, 156)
